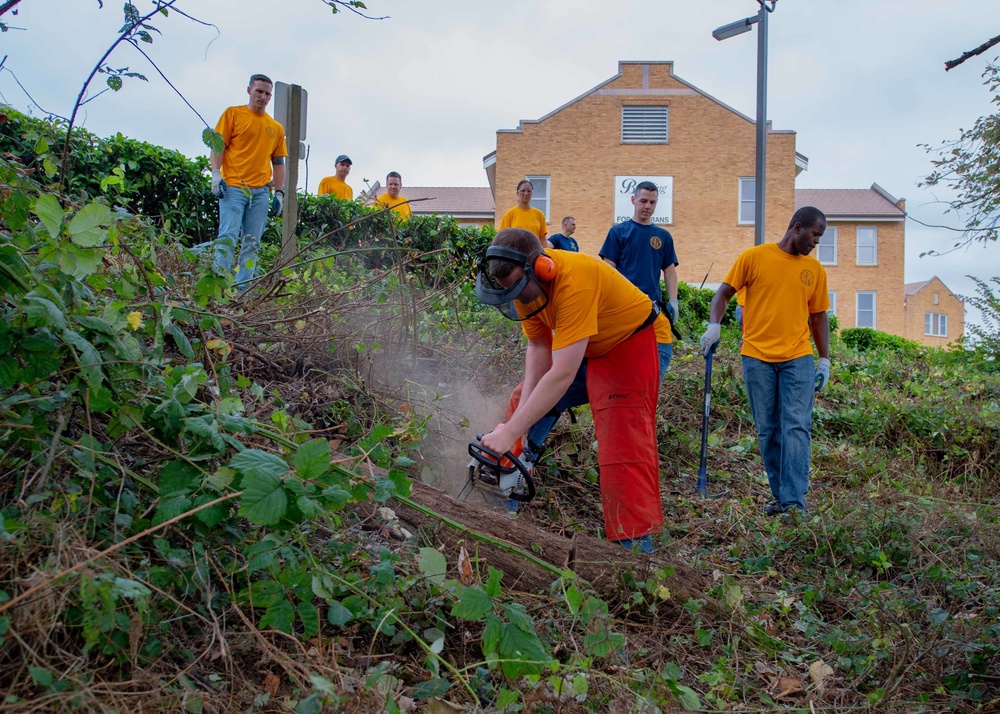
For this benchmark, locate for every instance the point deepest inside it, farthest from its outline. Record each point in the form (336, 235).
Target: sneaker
(774, 508)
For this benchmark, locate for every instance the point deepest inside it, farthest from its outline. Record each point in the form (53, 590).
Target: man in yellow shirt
(336, 184)
(573, 306)
(242, 178)
(786, 299)
(392, 199)
(524, 216)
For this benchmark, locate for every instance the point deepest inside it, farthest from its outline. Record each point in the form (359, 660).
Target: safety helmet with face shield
(517, 294)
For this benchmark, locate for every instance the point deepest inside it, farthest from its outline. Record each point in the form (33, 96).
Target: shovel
(703, 463)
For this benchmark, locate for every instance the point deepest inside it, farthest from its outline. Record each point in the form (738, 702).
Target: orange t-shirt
(530, 219)
(782, 290)
(399, 206)
(332, 184)
(588, 298)
(252, 140)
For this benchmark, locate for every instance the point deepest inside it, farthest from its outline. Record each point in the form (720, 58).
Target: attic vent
(644, 125)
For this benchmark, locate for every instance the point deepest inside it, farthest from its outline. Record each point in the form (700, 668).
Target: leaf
(279, 616)
(220, 346)
(430, 688)
(310, 618)
(42, 312)
(264, 501)
(690, 701)
(222, 477)
(338, 615)
(312, 458)
(820, 672)
(473, 604)
(213, 516)
(85, 228)
(50, 213)
(171, 508)
(433, 565)
(87, 357)
(465, 572)
(177, 478)
(134, 319)
(42, 676)
(213, 140)
(115, 83)
(493, 582)
(255, 462)
(181, 340)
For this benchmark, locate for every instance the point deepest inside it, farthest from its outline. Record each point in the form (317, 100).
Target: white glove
(710, 337)
(218, 185)
(674, 310)
(822, 373)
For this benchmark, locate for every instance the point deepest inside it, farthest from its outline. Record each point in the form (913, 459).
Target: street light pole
(760, 176)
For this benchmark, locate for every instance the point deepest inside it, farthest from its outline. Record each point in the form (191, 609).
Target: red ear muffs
(544, 267)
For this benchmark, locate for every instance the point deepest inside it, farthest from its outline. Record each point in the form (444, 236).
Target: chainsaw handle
(488, 457)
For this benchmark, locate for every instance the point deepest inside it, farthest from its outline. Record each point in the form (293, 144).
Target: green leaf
(264, 501)
(87, 357)
(493, 582)
(73, 260)
(178, 478)
(171, 508)
(313, 704)
(433, 565)
(222, 477)
(255, 462)
(211, 516)
(310, 618)
(50, 213)
(42, 676)
(85, 228)
(213, 140)
(338, 615)
(430, 688)
(312, 459)
(473, 604)
(279, 616)
(181, 340)
(690, 700)
(115, 82)
(42, 312)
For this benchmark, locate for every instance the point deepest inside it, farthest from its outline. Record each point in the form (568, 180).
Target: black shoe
(773, 508)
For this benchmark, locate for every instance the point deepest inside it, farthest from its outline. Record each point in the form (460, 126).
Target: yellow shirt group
(332, 184)
(252, 140)
(782, 290)
(530, 219)
(588, 298)
(398, 206)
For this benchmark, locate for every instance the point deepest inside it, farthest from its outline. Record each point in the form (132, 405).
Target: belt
(649, 320)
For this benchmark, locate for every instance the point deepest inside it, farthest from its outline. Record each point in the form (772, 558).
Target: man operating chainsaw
(573, 306)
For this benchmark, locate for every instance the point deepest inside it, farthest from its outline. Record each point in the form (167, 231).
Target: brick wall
(922, 302)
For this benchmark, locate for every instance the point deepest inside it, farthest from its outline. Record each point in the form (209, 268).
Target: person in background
(337, 184)
(641, 251)
(524, 216)
(786, 299)
(564, 240)
(392, 199)
(242, 175)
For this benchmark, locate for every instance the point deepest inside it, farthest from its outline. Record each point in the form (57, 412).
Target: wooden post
(289, 218)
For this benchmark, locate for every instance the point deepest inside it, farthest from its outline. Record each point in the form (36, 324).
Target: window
(867, 245)
(935, 324)
(747, 195)
(865, 316)
(644, 125)
(826, 251)
(833, 303)
(540, 198)
(935, 298)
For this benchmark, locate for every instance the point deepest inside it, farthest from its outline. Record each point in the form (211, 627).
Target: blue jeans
(666, 354)
(575, 396)
(241, 223)
(781, 399)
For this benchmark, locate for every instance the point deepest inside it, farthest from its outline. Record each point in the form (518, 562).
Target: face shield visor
(517, 298)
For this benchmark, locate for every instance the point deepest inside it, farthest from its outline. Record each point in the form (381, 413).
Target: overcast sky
(862, 82)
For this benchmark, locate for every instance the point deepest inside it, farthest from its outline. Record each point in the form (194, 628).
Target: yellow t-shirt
(252, 140)
(399, 206)
(530, 219)
(782, 290)
(588, 298)
(332, 184)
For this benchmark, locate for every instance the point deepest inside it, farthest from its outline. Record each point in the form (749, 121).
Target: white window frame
(833, 303)
(935, 324)
(741, 202)
(646, 123)
(874, 310)
(831, 234)
(874, 245)
(541, 203)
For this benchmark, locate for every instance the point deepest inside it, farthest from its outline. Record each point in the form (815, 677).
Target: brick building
(932, 314)
(470, 206)
(585, 157)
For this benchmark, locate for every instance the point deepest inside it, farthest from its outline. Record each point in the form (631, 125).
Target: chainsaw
(504, 476)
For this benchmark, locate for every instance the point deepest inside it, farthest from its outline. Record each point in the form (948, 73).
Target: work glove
(277, 203)
(673, 310)
(218, 185)
(710, 337)
(822, 373)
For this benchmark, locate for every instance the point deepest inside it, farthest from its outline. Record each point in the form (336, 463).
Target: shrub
(865, 339)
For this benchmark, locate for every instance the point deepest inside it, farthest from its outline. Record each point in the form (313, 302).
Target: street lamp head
(734, 28)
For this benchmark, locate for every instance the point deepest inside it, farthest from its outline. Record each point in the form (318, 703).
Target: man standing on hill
(336, 184)
(572, 306)
(564, 240)
(523, 215)
(242, 178)
(640, 251)
(786, 299)
(392, 199)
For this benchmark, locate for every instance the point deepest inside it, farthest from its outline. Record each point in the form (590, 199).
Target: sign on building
(625, 185)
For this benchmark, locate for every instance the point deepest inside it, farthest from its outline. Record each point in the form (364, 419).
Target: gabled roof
(464, 201)
(914, 288)
(843, 203)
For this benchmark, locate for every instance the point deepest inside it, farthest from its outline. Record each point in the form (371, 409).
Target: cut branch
(951, 64)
